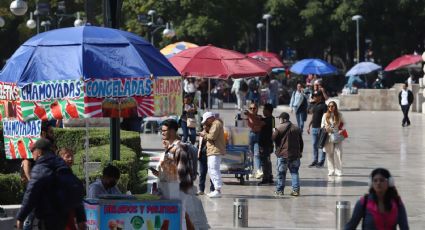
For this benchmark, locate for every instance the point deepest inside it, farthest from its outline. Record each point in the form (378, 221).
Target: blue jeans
(301, 117)
(315, 139)
(203, 170)
(282, 165)
(186, 131)
(254, 146)
(273, 99)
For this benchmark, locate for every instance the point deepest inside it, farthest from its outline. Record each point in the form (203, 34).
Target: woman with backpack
(382, 208)
(299, 104)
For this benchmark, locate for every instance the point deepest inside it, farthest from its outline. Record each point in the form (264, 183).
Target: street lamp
(155, 26)
(169, 31)
(260, 27)
(357, 19)
(267, 18)
(18, 7)
(78, 22)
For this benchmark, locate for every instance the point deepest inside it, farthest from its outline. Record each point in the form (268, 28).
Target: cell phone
(154, 171)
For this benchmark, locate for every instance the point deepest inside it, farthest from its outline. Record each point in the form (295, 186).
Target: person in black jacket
(40, 189)
(405, 99)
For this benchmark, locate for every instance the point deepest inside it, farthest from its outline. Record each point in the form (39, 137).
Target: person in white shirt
(405, 99)
(107, 184)
(240, 92)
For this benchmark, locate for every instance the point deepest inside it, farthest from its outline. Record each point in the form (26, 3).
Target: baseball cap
(42, 144)
(284, 115)
(206, 116)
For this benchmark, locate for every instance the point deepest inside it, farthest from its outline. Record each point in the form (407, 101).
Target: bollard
(240, 213)
(343, 213)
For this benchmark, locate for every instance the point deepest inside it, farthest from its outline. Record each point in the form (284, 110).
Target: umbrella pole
(86, 147)
(209, 94)
(115, 138)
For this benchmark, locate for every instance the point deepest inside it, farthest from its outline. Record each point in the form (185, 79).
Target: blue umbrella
(363, 68)
(89, 52)
(313, 66)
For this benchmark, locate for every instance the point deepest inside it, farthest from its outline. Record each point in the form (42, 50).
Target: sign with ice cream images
(134, 214)
(168, 96)
(19, 136)
(49, 100)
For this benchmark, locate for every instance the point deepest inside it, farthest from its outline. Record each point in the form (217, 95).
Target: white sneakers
(214, 194)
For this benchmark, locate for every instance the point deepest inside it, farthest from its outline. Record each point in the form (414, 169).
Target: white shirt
(97, 188)
(404, 96)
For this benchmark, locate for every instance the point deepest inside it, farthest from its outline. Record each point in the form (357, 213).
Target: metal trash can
(240, 213)
(343, 213)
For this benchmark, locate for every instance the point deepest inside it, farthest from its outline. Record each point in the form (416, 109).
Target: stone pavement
(376, 139)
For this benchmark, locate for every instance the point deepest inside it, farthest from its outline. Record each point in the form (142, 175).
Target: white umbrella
(363, 68)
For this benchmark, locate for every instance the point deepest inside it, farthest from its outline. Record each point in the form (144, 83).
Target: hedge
(11, 189)
(133, 170)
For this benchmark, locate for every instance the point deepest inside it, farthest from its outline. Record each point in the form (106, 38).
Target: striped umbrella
(176, 48)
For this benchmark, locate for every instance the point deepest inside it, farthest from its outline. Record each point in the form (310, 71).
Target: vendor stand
(128, 212)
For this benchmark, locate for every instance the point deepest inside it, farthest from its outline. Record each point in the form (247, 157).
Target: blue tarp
(85, 52)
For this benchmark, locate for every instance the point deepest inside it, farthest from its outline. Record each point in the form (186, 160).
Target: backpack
(69, 189)
(243, 86)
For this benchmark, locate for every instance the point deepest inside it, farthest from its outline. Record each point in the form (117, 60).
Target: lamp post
(155, 25)
(267, 18)
(260, 27)
(18, 7)
(357, 19)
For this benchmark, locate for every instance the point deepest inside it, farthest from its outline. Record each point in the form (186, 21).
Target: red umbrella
(213, 62)
(403, 61)
(271, 59)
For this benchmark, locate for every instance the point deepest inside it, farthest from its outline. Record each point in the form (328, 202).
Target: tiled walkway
(376, 140)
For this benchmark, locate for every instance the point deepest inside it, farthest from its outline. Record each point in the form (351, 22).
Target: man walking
(289, 148)
(240, 88)
(318, 109)
(216, 147)
(266, 144)
(170, 139)
(405, 99)
(41, 191)
(299, 105)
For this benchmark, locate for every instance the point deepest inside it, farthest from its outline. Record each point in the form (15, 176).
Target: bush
(11, 189)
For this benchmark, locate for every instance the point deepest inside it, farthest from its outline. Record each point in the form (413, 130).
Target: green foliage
(11, 189)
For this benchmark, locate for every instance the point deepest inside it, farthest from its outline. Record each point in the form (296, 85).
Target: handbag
(323, 136)
(335, 137)
(191, 122)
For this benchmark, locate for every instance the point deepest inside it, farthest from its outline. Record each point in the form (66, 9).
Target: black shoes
(266, 182)
(320, 164)
(313, 164)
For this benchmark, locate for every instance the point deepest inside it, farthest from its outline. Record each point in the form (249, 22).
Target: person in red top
(255, 123)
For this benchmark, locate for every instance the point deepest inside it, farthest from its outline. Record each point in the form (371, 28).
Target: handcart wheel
(241, 180)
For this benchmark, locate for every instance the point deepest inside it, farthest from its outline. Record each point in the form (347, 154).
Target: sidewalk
(376, 140)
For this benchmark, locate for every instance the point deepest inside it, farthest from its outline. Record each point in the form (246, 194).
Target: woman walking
(333, 122)
(382, 208)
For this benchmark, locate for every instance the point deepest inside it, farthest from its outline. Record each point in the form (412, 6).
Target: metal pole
(209, 94)
(267, 35)
(358, 41)
(38, 24)
(259, 39)
(86, 146)
(152, 38)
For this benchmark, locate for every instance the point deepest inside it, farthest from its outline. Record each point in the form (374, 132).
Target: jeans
(405, 110)
(203, 169)
(254, 146)
(301, 117)
(273, 99)
(315, 139)
(186, 131)
(282, 165)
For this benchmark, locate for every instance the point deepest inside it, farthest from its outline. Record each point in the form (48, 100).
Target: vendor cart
(237, 162)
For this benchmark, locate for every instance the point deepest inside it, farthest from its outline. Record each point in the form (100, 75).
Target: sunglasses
(252, 108)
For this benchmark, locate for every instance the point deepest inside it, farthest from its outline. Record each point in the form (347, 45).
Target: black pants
(405, 109)
(266, 165)
(204, 101)
(203, 169)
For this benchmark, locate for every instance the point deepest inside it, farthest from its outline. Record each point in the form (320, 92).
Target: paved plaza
(376, 140)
